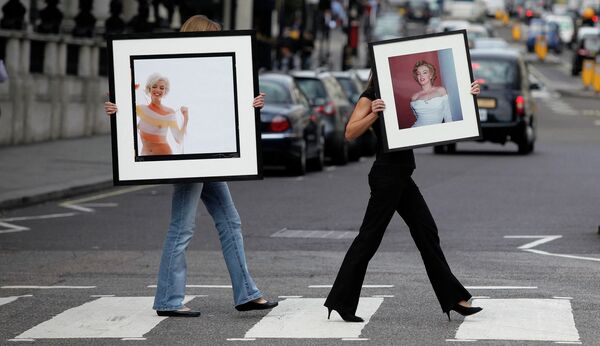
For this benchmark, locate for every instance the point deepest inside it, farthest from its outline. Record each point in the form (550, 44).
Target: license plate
(486, 103)
(483, 114)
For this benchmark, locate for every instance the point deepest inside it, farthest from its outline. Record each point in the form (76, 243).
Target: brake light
(481, 81)
(327, 109)
(529, 13)
(595, 19)
(475, 65)
(279, 124)
(520, 106)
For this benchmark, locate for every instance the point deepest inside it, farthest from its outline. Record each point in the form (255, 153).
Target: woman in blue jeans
(172, 274)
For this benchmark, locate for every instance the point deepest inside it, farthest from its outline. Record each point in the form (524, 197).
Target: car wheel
(298, 165)
(439, 149)
(451, 148)
(318, 163)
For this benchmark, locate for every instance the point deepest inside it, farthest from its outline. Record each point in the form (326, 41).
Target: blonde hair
(155, 78)
(431, 68)
(199, 23)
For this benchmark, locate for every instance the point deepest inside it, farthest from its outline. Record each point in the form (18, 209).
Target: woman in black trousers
(392, 190)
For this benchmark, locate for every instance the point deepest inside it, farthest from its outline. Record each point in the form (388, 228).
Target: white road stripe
(569, 298)
(48, 287)
(286, 297)
(501, 287)
(240, 339)
(30, 340)
(76, 203)
(107, 317)
(539, 252)
(133, 339)
(6, 300)
(306, 318)
(355, 339)
(10, 228)
(364, 286)
(541, 239)
(38, 217)
(520, 319)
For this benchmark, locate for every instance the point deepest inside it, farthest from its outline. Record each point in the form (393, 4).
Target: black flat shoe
(464, 310)
(345, 317)
(252, 305)
(178, 313)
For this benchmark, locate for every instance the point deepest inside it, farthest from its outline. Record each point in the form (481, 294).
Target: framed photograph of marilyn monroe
(185, 109)
(425, 84)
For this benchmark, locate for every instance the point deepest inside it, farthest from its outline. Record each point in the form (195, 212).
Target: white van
(465, 9)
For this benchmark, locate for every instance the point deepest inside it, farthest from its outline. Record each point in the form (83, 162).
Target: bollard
(587, 72)
(516, 31)
(541, 47)
(596, 78)
(505, 18)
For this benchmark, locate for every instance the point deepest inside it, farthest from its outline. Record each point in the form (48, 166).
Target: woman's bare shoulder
(441, 91)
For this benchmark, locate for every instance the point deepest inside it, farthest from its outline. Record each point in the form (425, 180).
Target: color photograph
(425, 82)
(185, 106)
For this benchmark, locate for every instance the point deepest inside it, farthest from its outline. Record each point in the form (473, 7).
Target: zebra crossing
(131, 318)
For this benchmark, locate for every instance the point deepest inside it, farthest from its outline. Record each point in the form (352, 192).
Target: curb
(32, 197)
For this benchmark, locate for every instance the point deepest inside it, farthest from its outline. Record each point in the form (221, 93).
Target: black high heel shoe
(464, 310)
(345, 317)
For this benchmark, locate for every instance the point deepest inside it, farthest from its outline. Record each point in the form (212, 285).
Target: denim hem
(251, 298)
(167, 308)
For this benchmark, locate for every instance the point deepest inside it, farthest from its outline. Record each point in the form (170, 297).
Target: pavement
(40, 172)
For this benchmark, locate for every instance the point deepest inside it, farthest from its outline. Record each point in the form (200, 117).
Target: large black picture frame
(211, 77)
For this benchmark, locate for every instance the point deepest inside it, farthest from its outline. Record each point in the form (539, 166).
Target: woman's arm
(363, 116)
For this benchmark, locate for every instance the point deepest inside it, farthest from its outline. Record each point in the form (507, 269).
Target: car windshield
(274, 93)
(312, 88)
(348, 86)
(495, 71)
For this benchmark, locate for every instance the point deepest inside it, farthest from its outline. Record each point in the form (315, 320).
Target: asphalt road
(485, 199)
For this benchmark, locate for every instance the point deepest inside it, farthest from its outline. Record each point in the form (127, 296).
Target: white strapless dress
(432, 111)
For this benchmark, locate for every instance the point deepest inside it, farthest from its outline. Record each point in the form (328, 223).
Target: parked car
(506, 107)
(587, 48)
(291, 134)
(353, 88)
(326, 96)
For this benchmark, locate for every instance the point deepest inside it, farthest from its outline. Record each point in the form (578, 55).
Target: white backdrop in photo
(205, 86)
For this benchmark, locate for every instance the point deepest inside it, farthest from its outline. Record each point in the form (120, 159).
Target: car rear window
(275, 93)
(312, 88)
(495, 71)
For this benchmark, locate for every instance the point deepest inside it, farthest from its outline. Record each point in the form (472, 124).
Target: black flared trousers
(389, 194)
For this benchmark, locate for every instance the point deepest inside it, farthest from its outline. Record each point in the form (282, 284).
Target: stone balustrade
(56, 87)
